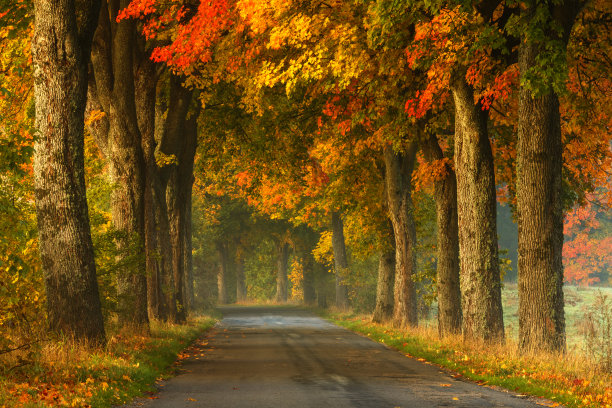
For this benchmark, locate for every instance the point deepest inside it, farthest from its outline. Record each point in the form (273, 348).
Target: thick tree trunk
(386, 274)
(476, 195)
(340, 261)
(170, 133)
(189, 280)
(398, 179)
(167, 294)
(145, 91)
(177, 196)
(63, 33)
(449, 292)
(540, 216)
(222, 251)
(241, 289)
(282, 265)
(113, 63)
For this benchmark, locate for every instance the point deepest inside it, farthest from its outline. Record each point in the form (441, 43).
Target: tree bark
(539, 192)
(177, 196)
(61, 44)
(340, 261)
(449, 292)
(222, 251)
(113, 65)
(383, 310)
(189, 279)
(146, 94)
(476, 195)
(398, 179)
(169, 136)
(282, 266)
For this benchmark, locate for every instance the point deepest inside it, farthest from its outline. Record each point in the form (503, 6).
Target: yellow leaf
(191, 399)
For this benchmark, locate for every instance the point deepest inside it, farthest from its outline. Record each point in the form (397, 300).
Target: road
(285, 357)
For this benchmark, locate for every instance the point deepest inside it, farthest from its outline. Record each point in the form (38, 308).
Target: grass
(569, 379)
(64, 373)
(577, 301)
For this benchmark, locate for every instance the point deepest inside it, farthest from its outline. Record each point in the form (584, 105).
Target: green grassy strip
(144, 365)
(479, 367)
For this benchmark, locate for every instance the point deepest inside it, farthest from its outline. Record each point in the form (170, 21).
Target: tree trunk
(476, 195)
(113, 64)
(162, 222)
(282, 266)
(222, 274)
(449, 292)
(340, 261)
(241, 290)
(189, 281)
(398, 179)
(386, 274)
(61, 44)
(539, 196)
(145, 90)
(177, 191)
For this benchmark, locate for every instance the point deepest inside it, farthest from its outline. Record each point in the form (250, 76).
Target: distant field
(577, 301)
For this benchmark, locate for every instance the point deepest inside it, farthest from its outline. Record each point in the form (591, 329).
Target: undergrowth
(570, 379)
(66, 373)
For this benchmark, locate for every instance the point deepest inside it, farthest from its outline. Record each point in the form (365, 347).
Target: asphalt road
(284, 357)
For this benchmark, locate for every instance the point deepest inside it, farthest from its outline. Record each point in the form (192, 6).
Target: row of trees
(323, 115)
(91, 69)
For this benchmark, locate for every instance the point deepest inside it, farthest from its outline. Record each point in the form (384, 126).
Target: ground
(287, 357)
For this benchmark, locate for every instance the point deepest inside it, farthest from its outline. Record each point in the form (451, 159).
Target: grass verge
(567, 380)
(67, 374)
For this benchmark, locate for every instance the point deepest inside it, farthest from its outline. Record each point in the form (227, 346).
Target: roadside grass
(569, 380)
(65, 373)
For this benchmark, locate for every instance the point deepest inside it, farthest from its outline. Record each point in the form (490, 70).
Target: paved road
(283, 357)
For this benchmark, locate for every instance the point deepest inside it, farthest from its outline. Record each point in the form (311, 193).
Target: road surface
(285, 357)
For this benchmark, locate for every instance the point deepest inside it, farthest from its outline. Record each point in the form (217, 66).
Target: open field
(578, 300)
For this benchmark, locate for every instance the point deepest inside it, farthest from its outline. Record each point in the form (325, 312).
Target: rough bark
(113, 64)
(539, 196)
(178, 196)
(398, 183)
(145, 97)
(189, 280)
(222, 251)
(449, 292)
(340, 261)
(168, 141)
(476, 195)
(60, 52)
(383, 311)
(282, 265)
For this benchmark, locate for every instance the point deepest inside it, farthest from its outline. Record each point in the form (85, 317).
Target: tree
(340, 261)
(445, 191)
(61, 45)
(113, 61)
(539, 174)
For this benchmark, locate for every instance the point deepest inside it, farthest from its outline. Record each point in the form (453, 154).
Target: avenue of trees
(159, 156)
